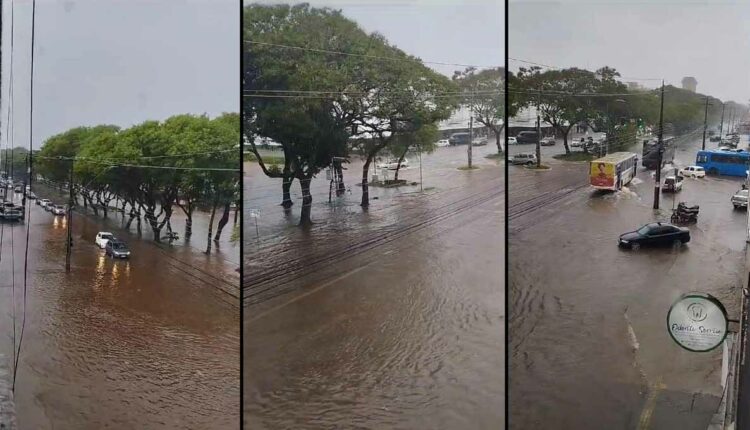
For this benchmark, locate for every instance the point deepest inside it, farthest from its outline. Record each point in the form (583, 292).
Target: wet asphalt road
(403, 328)
(588, 342)
(145, 343)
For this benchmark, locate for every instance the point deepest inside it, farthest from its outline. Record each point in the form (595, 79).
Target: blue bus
(718, 162)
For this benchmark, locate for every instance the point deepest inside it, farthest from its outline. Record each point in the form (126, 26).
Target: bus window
(702, 158)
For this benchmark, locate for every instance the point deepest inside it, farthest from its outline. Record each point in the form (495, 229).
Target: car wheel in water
(713, 171)
(677, 243)
(635, 246)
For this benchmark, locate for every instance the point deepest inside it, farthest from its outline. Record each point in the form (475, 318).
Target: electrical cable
(377, 57)
(30, 177)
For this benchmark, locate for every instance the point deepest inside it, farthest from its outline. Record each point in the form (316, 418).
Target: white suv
(693, 172)
(523, 158)
(102, 238)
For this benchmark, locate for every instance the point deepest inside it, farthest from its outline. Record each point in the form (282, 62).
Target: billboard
(602, 174)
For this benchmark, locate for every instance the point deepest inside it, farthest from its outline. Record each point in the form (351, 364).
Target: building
(689, 83)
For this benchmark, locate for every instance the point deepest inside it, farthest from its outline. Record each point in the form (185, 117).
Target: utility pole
(69, 214)
(471, 127)
(421, 188)
(471, 137)
(660, 149)
(721, 127)
(539, 131)
(705, 124)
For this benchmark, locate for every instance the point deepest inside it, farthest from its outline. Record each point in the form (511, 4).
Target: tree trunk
(286, 185)
(497, 142)
(565, 141)
(365, 188)
(237, 213)
(305, 219)
(210, 227)
(189, 221)
(339, 172)
(224, 220)
(398, 166)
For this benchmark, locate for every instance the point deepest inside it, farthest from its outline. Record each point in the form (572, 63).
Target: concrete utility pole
(471, 137)
(705, 125)
(539, 132)
(471, 128)
(69, 214)
(660, 149)
(721, 126)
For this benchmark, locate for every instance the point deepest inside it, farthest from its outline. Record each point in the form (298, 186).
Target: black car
(527, 137)
(116, 249)
(459, 139)
(655, 234)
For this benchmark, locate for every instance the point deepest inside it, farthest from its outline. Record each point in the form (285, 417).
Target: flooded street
(588, 342)
(150, 342)
(390, 318)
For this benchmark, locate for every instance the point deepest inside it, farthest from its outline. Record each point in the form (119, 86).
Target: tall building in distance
(689, 83)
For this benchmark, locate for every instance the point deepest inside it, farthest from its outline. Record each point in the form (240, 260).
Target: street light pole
(721, 127)
(660, 149)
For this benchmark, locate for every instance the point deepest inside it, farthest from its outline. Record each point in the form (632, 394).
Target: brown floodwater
(150, 342)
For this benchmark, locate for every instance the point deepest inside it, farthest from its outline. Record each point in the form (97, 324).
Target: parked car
(58, 210)
(523, 158)
(116, 249)
(392, 164)
(49, 206)
(31, 195)
(547, 141)
(442, 143)
(578, 143)
(512, 141)
(102, 238)
(672, 183)
(480, 141)
(692, 171)
(459, 139)
(655, 234)
(527, 137)
(715, 138)
(739, 199)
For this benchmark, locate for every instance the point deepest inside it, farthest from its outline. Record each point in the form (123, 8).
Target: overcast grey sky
(120, 62)
(661, 39)
(447, 31)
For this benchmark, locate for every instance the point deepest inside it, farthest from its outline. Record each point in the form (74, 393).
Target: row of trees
(314, 81)
(188, 162)
(567, 97)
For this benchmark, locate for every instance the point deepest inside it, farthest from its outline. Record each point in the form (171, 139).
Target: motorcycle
(684, 214)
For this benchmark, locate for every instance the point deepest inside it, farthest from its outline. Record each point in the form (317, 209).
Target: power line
(560, 68)
(30, 179)
(377, 57)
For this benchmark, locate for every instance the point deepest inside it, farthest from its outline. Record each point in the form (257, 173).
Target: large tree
(483, 93)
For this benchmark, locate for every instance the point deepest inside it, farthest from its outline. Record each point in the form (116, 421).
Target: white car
(393, 164)
(44, 202)
(739, 199)
(58, 210)
(102, 238)
(512, 141)
(524, 158)
(442, 143)
(693, 172)
(480, 141)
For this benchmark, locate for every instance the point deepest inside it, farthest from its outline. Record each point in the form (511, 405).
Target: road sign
(255, 213)
(697, 322)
